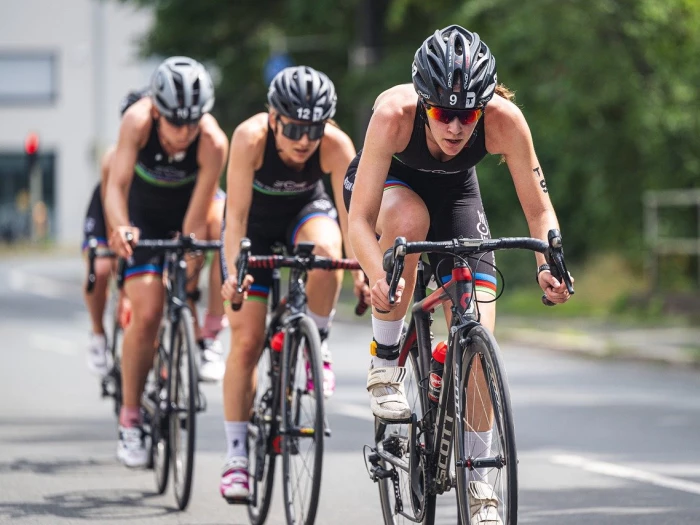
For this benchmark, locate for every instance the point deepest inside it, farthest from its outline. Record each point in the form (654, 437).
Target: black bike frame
(439, 426)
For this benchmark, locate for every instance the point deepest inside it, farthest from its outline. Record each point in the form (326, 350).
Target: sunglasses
(179, 123)
(295, 131)
(444, 115)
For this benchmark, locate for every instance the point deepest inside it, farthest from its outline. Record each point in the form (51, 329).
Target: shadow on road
(91, 505)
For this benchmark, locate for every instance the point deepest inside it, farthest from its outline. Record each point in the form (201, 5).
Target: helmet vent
(195, 92)
(179, 89)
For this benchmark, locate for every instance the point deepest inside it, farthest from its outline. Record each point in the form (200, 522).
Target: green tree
(608, 87)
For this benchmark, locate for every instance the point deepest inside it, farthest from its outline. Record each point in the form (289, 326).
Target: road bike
(415, 460)
(172, 396)
(288, 415)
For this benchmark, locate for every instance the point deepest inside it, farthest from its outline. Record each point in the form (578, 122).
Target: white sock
(478, 445)
(236, 438)
(386, 333)
(322, 321)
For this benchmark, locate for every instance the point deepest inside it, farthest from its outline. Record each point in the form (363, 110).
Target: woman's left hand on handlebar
(554, 289)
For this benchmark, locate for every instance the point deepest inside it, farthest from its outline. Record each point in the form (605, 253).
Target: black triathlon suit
(450, 191)
(283, 201)
(159, 195)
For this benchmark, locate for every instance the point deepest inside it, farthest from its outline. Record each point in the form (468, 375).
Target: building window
(28, 78)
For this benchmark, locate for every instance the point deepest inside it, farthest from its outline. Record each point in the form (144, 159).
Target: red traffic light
(31, 144)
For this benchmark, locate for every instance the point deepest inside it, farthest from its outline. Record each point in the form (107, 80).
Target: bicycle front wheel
(262, 431)
(183, 407)
(487, 480)
(303, 430)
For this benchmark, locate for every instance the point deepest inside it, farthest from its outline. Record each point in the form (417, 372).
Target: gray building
(64, 66)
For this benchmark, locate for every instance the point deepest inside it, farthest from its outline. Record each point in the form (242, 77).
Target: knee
(103, 268)
(329, 246)
(147, 316)
(245, 350)
(412, 223)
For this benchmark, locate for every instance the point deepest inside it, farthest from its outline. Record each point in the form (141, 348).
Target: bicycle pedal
(239, 501)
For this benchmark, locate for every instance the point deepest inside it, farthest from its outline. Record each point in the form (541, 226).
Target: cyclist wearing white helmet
(163, 179)
(275, 168)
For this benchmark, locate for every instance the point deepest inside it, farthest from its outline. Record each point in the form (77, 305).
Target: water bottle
(436, 366)
(276, 344)
(277, 341)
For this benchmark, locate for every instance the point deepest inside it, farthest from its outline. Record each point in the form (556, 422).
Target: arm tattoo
(543, 184)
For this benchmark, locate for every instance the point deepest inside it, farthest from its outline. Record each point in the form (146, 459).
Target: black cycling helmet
(302, 93)
(182, 90)
(454, 52)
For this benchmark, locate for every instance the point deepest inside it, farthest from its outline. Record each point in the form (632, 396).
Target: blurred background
(610, 91)
(609, 88)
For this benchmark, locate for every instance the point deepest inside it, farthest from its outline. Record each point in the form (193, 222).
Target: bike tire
(115, 373)
(160, 424)
(502, 480)
(418, 401)
(183, 400)
(261, 431)
(302, 348)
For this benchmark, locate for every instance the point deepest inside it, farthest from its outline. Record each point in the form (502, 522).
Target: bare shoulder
(504, 123)
(336, 142)
(394, 113)
(137, 121)
(211, 133)
(251, 133)
(248, 141)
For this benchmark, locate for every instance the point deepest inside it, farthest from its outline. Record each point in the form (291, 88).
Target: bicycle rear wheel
(262, 429)
(394, 438)
(183, 407)
(492, 487)
(302, 413)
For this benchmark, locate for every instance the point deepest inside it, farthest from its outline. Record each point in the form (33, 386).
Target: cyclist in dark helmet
(276, 196)
(163, 179)
(416, 178)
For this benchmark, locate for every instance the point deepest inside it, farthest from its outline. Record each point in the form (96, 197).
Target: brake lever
(398, 255)
(241, 269)
(555, 259)
(92, 278)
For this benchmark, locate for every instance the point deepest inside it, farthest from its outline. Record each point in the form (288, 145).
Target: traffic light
(31, 148)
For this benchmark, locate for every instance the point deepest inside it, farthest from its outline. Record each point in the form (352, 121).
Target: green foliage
(608, 88)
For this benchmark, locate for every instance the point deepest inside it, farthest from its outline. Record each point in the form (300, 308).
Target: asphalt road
(600, 441)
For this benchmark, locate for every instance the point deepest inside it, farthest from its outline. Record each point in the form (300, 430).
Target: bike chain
(397, 490)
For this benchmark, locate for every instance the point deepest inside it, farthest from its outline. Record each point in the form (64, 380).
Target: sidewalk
(670, 345)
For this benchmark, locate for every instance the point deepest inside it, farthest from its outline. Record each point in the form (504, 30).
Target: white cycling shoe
(387, 397)
(483, 504)
(97, 360)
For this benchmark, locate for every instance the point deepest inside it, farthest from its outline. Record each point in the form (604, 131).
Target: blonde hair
(503, 92)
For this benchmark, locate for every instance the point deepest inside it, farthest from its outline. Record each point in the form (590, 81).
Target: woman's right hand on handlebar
(229, 289)
(380, 295)
(122, 239)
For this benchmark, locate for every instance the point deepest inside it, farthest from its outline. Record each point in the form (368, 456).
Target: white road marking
(38, 285)
(619, 471)
(351, 410)
(53, 344)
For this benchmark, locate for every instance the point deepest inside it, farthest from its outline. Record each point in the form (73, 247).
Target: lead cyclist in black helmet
(416, 178)
(163, 180)
(276, 196)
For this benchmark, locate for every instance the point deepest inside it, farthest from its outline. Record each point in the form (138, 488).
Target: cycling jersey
(283, 201)
(450, 191)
